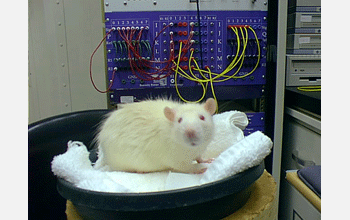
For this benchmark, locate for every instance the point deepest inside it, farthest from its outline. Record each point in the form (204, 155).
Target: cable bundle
(146, 68)
(223, 76)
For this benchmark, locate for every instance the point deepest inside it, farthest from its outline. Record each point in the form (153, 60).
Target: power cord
(200, 35)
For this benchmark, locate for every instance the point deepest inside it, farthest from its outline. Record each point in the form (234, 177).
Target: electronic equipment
(256, 122)
(187, 50)
(304, 20)
(304, 6)
(304, 23)
(303, 41)
(303, 70)
(304, 27)
(226, 42)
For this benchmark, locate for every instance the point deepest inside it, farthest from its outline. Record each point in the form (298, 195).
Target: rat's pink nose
(190, 133)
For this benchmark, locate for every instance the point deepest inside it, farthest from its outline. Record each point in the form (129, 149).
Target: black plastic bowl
(214, 200)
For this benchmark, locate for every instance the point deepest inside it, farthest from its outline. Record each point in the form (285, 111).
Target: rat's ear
(210, 106)
(169, 113)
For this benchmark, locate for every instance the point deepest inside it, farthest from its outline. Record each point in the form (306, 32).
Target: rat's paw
(201, 171)
(210, 160)
(198, 168)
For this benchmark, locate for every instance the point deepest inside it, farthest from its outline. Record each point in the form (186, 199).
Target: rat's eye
(201, 117)
(180, 120)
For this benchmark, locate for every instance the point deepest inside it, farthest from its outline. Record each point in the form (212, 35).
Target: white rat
(156, 135)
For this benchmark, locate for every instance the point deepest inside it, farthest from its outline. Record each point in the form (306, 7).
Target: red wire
(114, 70)
(137, 63)
(135, 59)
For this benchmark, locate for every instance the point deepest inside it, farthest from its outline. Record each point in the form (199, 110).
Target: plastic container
(214, 200)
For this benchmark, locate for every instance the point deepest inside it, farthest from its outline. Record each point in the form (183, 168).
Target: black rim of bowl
(148, 201)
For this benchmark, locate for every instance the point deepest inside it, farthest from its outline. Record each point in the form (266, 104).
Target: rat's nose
(190, 133)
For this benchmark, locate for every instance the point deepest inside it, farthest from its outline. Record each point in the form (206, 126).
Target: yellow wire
(212, 90)
(176, 86)
(259, 53)
(309, 88)
(256, 65)
(240, 60)
(198, 69)
(216, 79)
(234, 63)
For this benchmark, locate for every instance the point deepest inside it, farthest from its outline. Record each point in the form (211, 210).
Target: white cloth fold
(247, 153)
(74, 166)
(228, 131)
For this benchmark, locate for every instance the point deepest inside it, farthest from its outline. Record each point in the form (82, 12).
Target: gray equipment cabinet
(298, 113)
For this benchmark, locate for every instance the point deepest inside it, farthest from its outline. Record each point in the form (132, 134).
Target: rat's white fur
(144, 137)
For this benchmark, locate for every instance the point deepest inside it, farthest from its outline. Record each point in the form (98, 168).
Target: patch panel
(145, 48)
(171, 49)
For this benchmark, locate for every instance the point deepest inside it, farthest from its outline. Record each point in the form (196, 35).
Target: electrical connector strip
(210, 79)
(144, 68)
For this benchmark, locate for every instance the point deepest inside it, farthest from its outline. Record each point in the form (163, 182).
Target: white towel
(228, 131)
(247, 153)
(75, 167)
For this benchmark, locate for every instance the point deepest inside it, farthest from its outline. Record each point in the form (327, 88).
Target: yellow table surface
(293, 178)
